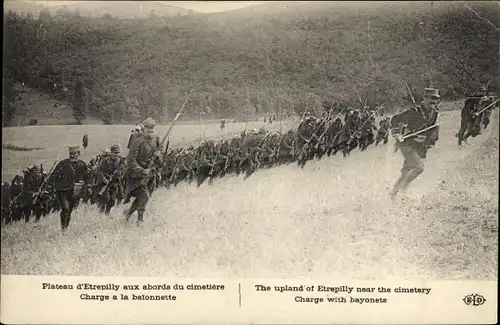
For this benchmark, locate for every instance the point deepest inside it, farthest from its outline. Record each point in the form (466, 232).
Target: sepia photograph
(251, 139)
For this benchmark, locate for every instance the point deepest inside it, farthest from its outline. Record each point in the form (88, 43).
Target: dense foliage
(240, 63)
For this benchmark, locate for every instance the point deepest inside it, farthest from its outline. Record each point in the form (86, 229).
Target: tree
(79, 102)
(9, 97)
(44, 17)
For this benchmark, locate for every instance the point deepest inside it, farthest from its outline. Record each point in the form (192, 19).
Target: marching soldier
(68, 178)
(142, 151)
(383, 131)
(134, 134)
(222, 124)
(471, 119)
(108, 179)
(414, 146)
(490, 105)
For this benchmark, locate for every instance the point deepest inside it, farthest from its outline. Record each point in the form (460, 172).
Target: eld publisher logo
(474, 300)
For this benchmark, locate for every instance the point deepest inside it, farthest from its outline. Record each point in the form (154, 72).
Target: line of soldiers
(109, 179)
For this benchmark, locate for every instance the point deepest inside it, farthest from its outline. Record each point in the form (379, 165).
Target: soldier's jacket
(287, 141)
(140, 155)
(385, 124)
(252, 143)
(67, 173)
(133, 136)
(416, 119)
(32, 181)
(107, 168)
(472, 105)
(6, 198)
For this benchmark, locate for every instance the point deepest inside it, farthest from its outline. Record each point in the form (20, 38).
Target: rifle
(106, 187)
(46, 178)
(482, 110)
(151, 162)
(409, 92)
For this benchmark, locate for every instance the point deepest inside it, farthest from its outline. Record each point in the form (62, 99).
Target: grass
(333, 218)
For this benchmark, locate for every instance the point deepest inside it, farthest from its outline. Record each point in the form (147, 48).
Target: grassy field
(332, 218)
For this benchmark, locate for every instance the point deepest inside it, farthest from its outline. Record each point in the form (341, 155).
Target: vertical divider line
(239, 293)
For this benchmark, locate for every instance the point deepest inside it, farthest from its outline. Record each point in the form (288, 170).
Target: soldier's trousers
(108, 199)
(141, 195)
(67, 202)
(486, 118)
(469, 127)
(413, 166)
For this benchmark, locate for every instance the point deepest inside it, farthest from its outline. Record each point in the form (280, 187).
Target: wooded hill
(277, 57)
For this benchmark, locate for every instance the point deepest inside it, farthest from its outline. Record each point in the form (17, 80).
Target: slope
(332, 218)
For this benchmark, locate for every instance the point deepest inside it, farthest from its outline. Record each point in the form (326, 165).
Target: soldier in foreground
(68, 178)
(142, 151)
(414, 146)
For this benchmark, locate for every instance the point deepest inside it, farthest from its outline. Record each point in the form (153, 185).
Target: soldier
(108, 179)
(141, 153)
(414, 147)
(471, 119)
(6, 203)
(68, 179)
(222, 124)
(490, 104)
(251, 150)
(134, 134)
(383, 131)
(33, 182)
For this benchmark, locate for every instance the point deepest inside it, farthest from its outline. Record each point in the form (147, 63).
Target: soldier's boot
(127, 213)
(397, 186)
(140, 218)
(27, 214)
(102, 207)
(62, 217)
(38, 214)
(108, 208)
(412, 175)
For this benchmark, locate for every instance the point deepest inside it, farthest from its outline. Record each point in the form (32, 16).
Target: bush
(241, 65)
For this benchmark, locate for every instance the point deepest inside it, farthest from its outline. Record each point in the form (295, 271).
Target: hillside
(116, 9)
(333, 218)
(274, 57)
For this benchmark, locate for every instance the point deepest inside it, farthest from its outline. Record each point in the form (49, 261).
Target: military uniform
(108, 179)
(414, 148)
(487, 113)
(471, 123)
(136, 133)
(68, 174)
(142, 151)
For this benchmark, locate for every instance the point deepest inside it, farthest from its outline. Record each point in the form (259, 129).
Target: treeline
(240, 66)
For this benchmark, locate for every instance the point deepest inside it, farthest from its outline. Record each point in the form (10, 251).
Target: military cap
(74, 149)
(107, 150)
(149, 123)
(139, 127)
(431, 92)
(262, 130)
(115, 148)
